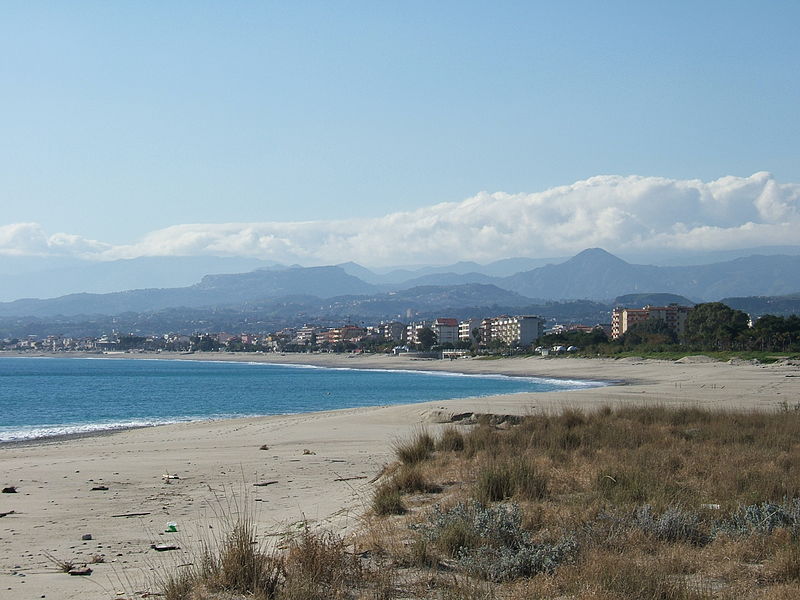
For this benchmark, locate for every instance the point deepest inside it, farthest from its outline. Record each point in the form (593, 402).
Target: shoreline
(269, 359)
(318, 466)
(321, 360)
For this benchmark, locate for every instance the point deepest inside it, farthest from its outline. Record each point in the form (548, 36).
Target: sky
(396, 132)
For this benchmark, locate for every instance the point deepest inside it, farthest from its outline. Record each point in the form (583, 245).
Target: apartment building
(413, 329)
(446, 331)
(306, 335)
(674, 316)
(392, 331)
(521, 330)
(466, 329)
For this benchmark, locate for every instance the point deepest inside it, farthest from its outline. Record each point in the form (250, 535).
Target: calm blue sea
(42, 397)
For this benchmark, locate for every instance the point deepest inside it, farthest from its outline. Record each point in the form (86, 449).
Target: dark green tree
(426, 337)
(129, 342)
(651, 333)
(715, 326)
(777, 334)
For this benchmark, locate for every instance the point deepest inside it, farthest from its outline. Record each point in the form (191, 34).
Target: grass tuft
(388, 500)
(511, 478)
(452, 440)
(416, 449)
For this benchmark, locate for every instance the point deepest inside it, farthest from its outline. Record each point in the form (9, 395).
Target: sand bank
(320, 463)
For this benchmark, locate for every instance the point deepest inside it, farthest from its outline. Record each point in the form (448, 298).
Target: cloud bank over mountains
(618, 213)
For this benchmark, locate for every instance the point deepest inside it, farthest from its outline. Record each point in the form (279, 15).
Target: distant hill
(118, 275)
(446, 279)
(593, 274)
(454, 274)
(640, 300)
(597, 274)
(212, 290)
(424, 300)
(757, 306)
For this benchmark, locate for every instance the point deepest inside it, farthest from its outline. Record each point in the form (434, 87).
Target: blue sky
(121, 119)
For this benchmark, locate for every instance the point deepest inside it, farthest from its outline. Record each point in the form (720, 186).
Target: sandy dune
(320, 463)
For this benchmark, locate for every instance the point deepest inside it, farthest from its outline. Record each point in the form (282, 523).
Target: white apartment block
(392, 331)
(305, 335)
(517, 331)
(465, 329)
(412, 331)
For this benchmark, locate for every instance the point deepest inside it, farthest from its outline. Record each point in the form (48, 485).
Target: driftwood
(84, 570)
(264, 483)
(141, 514)
(164, 547)
(5, 514)
(350, 478)
(100, 488)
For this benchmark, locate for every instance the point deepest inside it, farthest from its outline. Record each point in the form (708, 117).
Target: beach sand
(320, 465)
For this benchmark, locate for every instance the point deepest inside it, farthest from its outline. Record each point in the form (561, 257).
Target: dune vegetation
(638, 503)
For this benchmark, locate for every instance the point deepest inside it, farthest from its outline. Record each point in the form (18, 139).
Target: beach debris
(132, 514)
(168, 476)
(164, 547)
(80, 571)
(12, 489)
(86, 537)
(172, 527)
(264, 447)
(100, 488)
(307, 452)
(350, 478)
(265, 483)
(5, 514)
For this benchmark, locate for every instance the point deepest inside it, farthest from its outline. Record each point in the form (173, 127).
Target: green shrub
(489, 541)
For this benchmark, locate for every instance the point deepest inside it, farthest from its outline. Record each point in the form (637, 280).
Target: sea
(43, 396)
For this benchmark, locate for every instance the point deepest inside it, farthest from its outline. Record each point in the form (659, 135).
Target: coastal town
(448, 335)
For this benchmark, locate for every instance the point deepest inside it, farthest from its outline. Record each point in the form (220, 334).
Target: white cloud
(618, 213)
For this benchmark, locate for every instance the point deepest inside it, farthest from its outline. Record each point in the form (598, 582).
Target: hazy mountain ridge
(221, 290)
(756, 306)
(598, 275)
(593, 274)
(78, 277)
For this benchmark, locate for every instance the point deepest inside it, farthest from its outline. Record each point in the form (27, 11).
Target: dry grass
(451, 440)
(416, 449)
(63, 565)
(635, 503)
(388, 500)
(644, 492)
(503, 479)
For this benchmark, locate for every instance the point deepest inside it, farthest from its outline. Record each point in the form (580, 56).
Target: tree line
(711, 326)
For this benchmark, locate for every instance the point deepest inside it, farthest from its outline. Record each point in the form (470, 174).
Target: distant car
(572, 349)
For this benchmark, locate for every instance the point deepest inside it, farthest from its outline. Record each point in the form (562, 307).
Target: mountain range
(593, 274)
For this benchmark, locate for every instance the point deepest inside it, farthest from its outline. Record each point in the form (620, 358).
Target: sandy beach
(317, 467)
